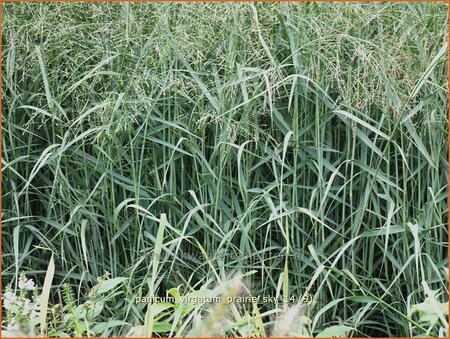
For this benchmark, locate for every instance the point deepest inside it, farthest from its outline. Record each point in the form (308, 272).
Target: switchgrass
(304, 141)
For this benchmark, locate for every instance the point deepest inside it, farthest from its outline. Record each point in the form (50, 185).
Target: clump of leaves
(183, 314)
(180, 317)
(73, 318)
(432, 313)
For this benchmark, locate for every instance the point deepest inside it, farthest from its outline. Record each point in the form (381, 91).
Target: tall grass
(306, 141)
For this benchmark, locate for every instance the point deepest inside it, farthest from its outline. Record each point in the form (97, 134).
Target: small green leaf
(198, 294)
(79, 312)
(304, 320)
(96, 310)
(107, 285)
(175, 292)
(160, 307)
(162, 327)
(101, 327)
(334, 331)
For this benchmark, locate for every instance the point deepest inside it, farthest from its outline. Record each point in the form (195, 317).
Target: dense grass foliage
(306, 142)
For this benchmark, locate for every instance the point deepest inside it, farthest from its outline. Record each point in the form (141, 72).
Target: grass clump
(176, 144)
